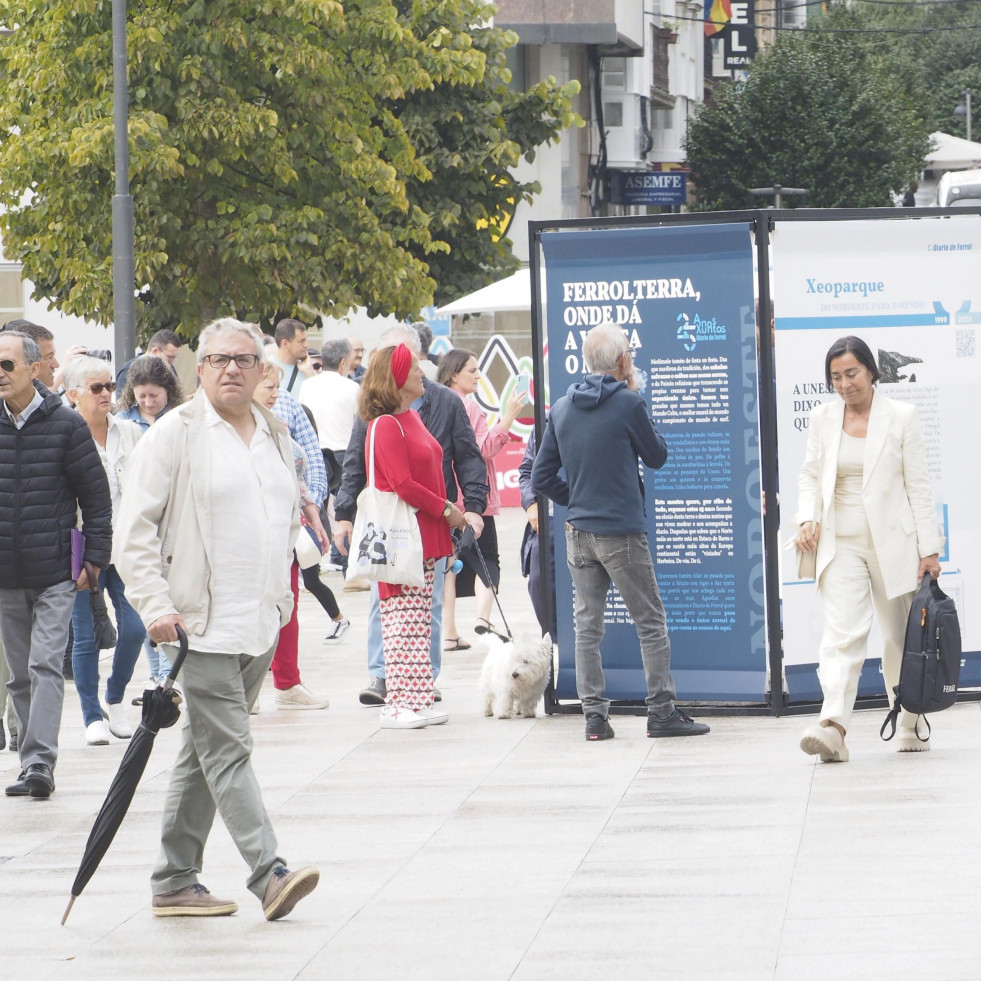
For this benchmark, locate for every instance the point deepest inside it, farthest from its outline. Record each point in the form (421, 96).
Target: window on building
(614, 74)
(612, 114)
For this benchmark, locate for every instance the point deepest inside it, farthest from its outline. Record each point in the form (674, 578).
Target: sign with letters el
(683, 295)
(739, 36)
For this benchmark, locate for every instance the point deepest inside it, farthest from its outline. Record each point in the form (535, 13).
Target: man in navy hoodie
(595, 434)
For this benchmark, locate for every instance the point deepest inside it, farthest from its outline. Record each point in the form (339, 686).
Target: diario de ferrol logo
(695, 330)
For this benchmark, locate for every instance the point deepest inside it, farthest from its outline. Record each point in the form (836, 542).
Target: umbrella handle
(178, 661)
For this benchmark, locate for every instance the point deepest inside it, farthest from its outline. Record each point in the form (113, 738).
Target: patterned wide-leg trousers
(406, 634)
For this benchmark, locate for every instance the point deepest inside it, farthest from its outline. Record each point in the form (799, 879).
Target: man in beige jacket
(204, 542)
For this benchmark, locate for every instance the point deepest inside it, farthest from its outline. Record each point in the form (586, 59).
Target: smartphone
(522, 384)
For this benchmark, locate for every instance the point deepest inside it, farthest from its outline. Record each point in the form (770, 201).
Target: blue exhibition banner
(683, 294)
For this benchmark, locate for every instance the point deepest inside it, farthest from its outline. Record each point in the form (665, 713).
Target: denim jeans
(376, 652)
(157, 659)
(595, 560)
(85, 655)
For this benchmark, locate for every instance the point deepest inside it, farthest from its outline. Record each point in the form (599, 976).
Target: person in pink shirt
(459, 372)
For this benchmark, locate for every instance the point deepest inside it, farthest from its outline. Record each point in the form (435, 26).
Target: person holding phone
(458, 371)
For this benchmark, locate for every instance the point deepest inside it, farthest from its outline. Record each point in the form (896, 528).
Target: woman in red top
(409, 462)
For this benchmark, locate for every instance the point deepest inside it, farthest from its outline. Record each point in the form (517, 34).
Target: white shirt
(252, 494)
(333, 400)
(21, 417)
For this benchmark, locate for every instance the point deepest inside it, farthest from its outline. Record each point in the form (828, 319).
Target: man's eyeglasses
(243, 361)
(8, 365)
(97, 388)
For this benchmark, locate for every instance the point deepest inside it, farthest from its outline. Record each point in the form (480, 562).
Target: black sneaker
(598, 727)
(375, 693)
(676, 724)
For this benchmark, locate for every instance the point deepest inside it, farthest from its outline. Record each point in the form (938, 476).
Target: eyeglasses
(318, 366)
(8, 365)
(97, 388)
(243, 361)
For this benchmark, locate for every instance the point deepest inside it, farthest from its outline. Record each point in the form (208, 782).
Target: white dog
(514, 676)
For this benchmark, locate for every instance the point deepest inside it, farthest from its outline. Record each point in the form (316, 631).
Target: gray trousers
(595, 560)
(34, 631)
(213, 773)
(6, 705)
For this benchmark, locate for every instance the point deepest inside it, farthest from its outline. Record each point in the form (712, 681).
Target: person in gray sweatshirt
(587, 463)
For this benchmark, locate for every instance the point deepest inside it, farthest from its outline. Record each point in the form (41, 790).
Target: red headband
(401, 363)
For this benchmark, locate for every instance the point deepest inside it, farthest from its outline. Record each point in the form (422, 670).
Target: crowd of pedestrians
(203, 514)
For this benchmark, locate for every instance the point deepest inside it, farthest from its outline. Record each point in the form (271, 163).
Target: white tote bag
(386, 544)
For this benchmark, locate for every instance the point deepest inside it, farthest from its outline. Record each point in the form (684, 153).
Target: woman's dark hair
(379, 393)
(451, 364)
(850, 345)
(150, 370)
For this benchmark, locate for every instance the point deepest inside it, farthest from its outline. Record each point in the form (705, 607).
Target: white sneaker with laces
(300, 697)
(118, 723)
(338, 628)
(396, 717)
(97, 733)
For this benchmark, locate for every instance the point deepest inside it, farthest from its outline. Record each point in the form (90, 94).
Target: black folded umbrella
(160, 711)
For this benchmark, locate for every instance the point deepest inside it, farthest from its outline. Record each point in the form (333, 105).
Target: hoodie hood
(593, 390)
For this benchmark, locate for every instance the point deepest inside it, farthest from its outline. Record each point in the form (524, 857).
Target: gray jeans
(34, 630)
(213, 773)
(595, 560)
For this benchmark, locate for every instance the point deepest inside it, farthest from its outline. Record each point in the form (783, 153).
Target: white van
(959, 189)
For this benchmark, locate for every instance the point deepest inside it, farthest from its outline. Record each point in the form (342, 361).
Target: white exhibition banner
(911, 289)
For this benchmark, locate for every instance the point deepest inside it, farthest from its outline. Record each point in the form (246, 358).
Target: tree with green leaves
(285, 157)
(823, 111)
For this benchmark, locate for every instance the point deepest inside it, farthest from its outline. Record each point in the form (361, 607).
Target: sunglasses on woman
(97, 388)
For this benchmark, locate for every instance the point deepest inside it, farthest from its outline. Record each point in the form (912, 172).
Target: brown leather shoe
(192, 900)
(286, 889)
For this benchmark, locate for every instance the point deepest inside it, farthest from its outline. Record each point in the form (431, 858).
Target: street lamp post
(778, 193)
(963, 111)
(123, 271)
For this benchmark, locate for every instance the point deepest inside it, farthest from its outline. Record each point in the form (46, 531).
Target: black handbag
(931, 664)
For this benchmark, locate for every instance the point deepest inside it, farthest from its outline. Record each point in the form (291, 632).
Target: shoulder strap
(371, 445)
(296, 371)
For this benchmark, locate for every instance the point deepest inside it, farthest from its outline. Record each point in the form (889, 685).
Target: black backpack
(931, 657)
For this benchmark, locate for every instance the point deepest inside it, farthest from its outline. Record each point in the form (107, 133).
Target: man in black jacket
(49, 468)
(443, 414)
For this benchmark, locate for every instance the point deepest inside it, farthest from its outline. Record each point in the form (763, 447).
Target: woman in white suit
(866, 509)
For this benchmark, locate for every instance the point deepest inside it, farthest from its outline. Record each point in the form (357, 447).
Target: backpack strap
(892, 718)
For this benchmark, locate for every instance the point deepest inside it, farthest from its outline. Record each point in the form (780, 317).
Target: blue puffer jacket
(48, 469)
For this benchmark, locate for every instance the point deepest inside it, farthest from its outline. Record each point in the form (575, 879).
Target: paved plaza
(489, 849)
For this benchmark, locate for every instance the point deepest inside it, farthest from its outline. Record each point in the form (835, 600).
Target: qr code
(964, 340)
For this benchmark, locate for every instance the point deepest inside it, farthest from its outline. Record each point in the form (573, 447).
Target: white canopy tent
(505, 296)
(952, 153)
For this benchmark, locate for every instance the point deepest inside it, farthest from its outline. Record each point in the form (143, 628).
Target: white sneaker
(910, 742)
(338, 629)
(357, 584)
(826, 742)
(396, 717)
(434, 716)
(118, 723)
(300, 697)
(97, 733)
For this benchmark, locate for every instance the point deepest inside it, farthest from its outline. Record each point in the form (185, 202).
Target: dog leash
(483, 565)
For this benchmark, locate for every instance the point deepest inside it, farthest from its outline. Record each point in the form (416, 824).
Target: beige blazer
(895, 489)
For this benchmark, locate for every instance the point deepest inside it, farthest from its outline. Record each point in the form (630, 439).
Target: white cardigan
(895, 489)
